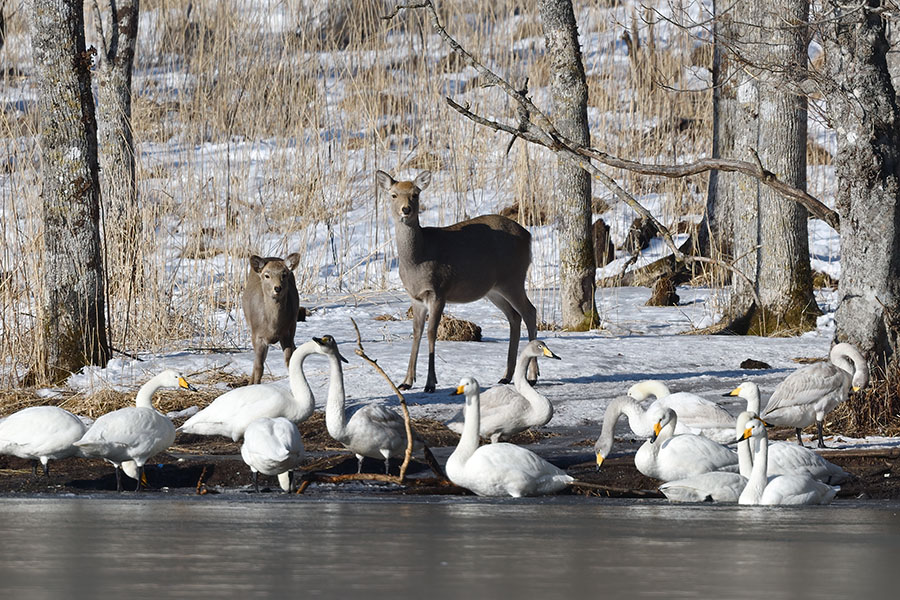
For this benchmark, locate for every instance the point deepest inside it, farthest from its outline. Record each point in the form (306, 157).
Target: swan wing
(697, 412)
(41, 431)
(688, 455)
(509, 470)
(230, 413)
(716, 486)
(806, 386)
(786, 458)
(797, 489)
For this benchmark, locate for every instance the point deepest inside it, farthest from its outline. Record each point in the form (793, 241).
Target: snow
(636, 342)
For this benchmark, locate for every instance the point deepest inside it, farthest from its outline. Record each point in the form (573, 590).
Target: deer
(485, 257)
(271, 307)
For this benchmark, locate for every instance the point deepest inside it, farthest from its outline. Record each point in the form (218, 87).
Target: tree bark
(118, 186)
(573, 184)
(716, 231)
(771, 244)
(74, 326)
(866, 118)
(785, 279)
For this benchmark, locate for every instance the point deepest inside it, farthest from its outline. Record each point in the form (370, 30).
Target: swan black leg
(256, 481)
(819, 431)
(47, 469)
(140, 478)
(118, 479)
(387, 466)
(799, 438)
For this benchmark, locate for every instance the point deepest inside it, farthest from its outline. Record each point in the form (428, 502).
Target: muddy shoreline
(212, 465)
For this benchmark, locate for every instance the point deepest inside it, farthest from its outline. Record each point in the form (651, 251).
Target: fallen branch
(407, 456)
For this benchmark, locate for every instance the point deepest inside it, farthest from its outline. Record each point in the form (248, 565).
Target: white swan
(371, 430)
(715, 486)
(669, 457)
(272, 447)
(135, 433)
(41, 434)
(811, 392)
(787, 458)
(509, 409)
(233, 411)
(778, 489)
(695, 414)
(499, 469)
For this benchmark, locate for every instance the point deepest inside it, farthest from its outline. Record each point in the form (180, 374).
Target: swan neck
(300, 389)
(144, 398)
(650, 387)
(335, 417)
(468, 441)
(756, 483)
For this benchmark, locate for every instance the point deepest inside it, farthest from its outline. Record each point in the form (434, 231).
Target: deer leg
(262, 349)
(288, 347)
(419, 312)
(520, 302)
(436, 309)
(515, 330)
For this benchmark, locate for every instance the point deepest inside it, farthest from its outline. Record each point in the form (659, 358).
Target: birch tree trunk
(118, 187)
(573, 184)
(74, 324)
(866, 118)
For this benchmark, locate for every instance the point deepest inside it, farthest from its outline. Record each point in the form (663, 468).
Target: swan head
(328, 346)
(662, 418)
(538, 348)
(848, 358)
(172, 378)
(753, 428)
(749, 391)
(652, 387)
(468, 386)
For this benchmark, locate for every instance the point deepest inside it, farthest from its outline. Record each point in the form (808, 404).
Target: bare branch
(406, 420)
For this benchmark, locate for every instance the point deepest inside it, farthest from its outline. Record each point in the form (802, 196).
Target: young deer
(487, 256)
(271, 305)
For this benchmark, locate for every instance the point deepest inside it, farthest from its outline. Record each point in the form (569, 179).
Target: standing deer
(271, 306)
(487, 256)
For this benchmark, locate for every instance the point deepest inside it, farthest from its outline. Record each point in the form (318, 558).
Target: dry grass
(872, 411)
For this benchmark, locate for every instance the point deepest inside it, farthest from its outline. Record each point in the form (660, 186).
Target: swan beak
(733, 392)
(549, 353)
(183, 384)
(855, 388)
(656, 429)
(745, 436)
(459, 391)
(599, 460)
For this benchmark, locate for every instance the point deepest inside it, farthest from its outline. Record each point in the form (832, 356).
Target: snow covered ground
(636, 343)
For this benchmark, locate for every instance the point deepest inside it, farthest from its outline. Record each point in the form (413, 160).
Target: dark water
(564, 547)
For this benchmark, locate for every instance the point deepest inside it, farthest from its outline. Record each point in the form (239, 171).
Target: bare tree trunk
(784, 277)
(866, 118)
(118, 187)
(743, 41)
(715, 234)
(771, 244)
(74, 324)
(569, 88)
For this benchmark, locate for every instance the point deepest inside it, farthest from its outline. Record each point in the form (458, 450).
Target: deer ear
(384, 180)
(257, 263)
(292, 260)
(422, 180)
